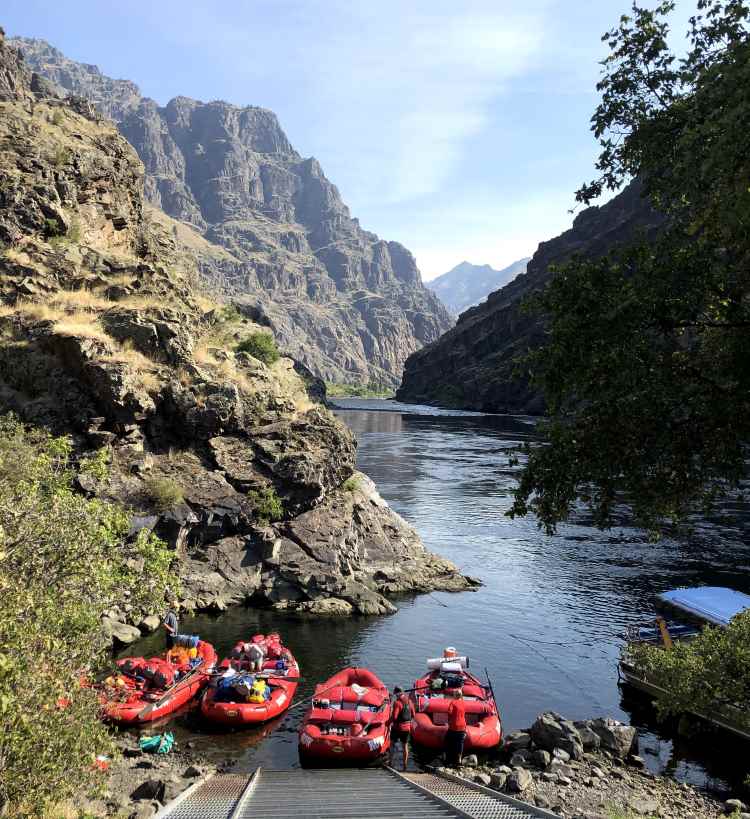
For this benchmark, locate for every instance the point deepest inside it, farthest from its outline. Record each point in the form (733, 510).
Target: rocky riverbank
(588, 770)
(138, 784)
(213, 440)
(578, 770)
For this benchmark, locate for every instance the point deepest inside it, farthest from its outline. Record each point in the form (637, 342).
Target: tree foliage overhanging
(64, 559)
(645, 369)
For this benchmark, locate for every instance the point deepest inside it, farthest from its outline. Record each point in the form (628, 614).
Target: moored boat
(241, 695)
(349, 721)
(431, 698)
(144, 690)
(697, 607)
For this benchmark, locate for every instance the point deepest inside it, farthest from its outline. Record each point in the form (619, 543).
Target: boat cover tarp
(715, 604)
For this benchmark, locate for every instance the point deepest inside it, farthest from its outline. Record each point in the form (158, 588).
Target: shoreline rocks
(587, 769)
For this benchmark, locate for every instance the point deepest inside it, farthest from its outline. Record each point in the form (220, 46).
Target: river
(548, 621)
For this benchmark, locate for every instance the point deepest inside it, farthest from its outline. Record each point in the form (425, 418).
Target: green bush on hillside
(64, 560)
(164, 493)
(267, 505)
(261, 346)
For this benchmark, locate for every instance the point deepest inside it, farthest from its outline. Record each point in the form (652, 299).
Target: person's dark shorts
(170, 641)
(400, 736)
(454, 744)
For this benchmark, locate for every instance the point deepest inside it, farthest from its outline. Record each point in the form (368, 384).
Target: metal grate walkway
(343, 794)
(472, 800)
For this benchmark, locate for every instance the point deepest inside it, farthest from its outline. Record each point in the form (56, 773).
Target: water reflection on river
(546, 623)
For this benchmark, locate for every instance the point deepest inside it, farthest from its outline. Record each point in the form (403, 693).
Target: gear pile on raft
(351, 718)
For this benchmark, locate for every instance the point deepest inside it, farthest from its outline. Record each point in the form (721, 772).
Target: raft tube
(430, 722)
(349, 721)
(283, 686)
(126, 704)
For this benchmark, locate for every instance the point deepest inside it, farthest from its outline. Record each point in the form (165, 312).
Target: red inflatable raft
(432, 697)
(143, 690)
(349, 720)
(280, 672)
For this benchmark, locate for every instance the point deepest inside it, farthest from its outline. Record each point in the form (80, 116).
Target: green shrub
(57, 117)
(351, 484)
(53, 229)
(64, 559)
(164, 493)
(261, 346)
(267, 505)
(229, 313)
(712, 668)
(371, 390)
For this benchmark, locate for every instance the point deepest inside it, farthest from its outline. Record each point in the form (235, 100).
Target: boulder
(482, 779)
(589, 738)
(644, 806)
(520, 758)
(734, 806)
(150, 623)
(551, 731)
(149, 789)
(470, 761)
(517, 741)
(120, 632)
(520, 780)
(192, 772)
(498, 779)
(541, 758)
(620, 740)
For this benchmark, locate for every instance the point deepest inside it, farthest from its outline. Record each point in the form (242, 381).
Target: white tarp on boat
(715, 604)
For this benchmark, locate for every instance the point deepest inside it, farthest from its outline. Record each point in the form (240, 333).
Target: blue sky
(457, 128)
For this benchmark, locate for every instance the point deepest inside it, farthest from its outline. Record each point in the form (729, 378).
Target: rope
(576, 683)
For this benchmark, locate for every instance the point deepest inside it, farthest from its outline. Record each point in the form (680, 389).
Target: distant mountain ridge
(467, 284)
(473, 365)
(266, 225)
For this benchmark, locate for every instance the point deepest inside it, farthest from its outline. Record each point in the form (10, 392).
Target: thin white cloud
(422, 77)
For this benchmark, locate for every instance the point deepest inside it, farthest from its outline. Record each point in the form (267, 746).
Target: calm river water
(547, 623)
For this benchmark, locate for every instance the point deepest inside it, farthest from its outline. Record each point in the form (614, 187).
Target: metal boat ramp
(379, 793)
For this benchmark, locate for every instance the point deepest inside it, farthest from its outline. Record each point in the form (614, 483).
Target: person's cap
(397, 690)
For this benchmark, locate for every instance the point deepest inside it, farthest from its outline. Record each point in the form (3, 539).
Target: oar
(489, 685)
(153, 706)
(314, 696)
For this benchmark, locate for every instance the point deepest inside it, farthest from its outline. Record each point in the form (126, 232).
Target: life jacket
(405, 713)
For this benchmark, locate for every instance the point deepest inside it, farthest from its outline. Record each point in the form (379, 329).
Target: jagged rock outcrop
(105, 336)
(472, 365)
(270, 227)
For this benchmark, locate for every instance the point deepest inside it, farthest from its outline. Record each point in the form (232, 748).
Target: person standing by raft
(402, 717)
(456, 733)
(171, 624)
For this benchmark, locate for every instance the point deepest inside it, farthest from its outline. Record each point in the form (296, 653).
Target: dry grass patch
(291, 384)
(205, 303)
(82, 325)
(229, 371)
(39, 312)
(146, 373)
(80, 300)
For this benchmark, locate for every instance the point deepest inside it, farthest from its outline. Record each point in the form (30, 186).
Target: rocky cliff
(105, 336)
(349, 305)
(467, 284)
(472, 365)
